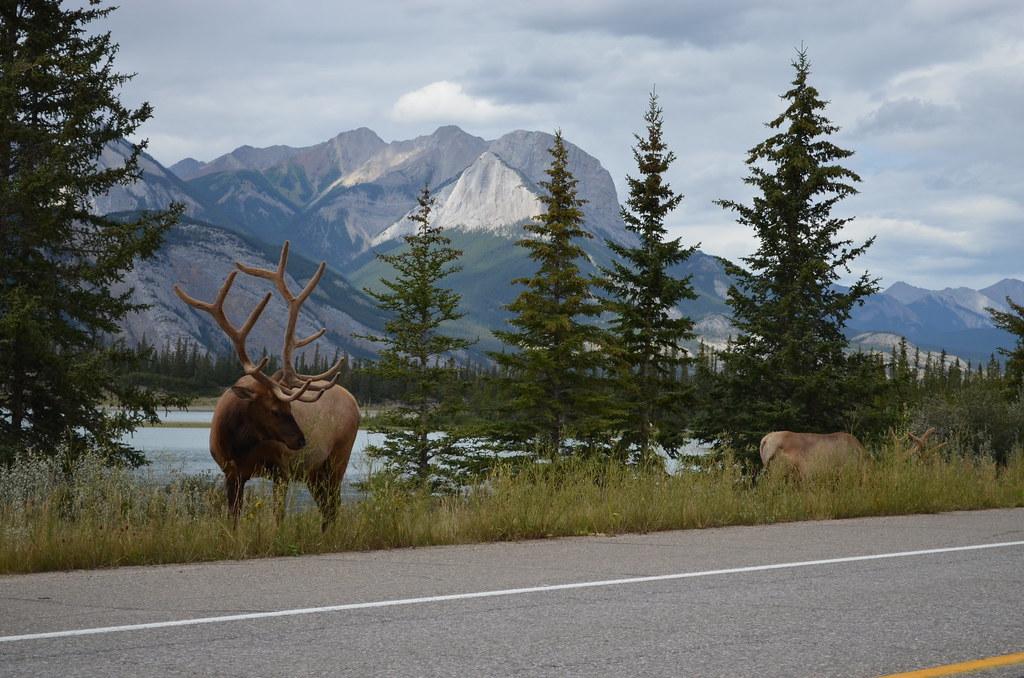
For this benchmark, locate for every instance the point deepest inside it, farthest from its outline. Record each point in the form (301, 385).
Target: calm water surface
(186, 449)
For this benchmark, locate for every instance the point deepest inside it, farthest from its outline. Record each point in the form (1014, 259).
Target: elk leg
(325, 491)
(235, 486)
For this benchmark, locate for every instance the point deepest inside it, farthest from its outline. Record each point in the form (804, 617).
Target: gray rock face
(527, 152)
(489, 196)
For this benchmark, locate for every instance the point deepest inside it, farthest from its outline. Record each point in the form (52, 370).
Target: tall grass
(85, 515)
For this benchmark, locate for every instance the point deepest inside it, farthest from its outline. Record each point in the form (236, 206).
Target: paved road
(848, 617)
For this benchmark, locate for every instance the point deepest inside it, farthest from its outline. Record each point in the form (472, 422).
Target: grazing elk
(807, 453)
(281, 425)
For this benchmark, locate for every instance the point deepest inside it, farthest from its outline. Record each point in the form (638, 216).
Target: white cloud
(445, 101)
(902, 234)
(943, 83)
(979, 209)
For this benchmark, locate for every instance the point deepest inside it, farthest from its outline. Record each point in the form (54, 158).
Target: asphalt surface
(850, 618)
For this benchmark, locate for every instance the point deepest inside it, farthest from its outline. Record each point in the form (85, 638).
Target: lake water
(185, 449)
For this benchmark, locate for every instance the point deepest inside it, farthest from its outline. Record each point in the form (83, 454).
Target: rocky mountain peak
(488, 196)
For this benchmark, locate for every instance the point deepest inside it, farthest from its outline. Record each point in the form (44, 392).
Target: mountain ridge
(349, 197)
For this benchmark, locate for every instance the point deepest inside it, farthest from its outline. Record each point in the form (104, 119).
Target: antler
(921, 442)
(318, 382)
(238, 336)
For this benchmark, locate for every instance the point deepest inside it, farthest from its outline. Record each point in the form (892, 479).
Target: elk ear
(243, 392)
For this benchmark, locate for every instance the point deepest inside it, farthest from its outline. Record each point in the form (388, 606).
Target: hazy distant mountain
(157, 189)
(953, 319)
(1008, 287)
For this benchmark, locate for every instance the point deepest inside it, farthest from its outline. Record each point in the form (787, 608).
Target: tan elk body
(807, 453)
(284, 425)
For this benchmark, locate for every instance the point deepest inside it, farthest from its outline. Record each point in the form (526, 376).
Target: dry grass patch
(54, 517)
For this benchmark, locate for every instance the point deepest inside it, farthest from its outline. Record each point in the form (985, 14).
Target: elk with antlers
(285, 424)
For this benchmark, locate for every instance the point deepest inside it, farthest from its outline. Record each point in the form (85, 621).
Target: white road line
(494, 594)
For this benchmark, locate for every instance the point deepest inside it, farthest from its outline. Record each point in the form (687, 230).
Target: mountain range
(346, 199)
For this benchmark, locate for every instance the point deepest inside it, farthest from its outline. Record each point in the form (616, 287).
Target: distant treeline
(185, 368)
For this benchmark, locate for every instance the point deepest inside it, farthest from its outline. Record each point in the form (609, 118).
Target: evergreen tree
(1013, 322)
(787, 368)
(58, 110)
(415, 346)
(643, 300)
(554, 372)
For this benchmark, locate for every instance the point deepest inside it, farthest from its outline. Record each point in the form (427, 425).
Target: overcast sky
(929, 95)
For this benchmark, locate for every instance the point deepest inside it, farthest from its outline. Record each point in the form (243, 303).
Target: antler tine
(255, 315)
(331, 375)
(294, 306)
(287, 394)
(311, 285)
(205, 305)
(277, 277)
(235, 334)
(319, 390)
(311, 338)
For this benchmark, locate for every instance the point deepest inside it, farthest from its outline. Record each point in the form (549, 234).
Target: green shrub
(976, 420)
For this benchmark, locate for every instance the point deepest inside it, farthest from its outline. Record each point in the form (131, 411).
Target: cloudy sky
(929, 94)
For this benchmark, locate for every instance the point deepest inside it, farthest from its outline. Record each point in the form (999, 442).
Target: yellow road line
(963, 667)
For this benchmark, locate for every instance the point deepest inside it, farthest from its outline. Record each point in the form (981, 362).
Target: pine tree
(415, 347)
(58, 110)
(554, 373)
(643, 300)
(787, 368)
(1013, 322)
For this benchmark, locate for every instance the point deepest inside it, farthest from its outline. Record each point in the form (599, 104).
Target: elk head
(268, 416)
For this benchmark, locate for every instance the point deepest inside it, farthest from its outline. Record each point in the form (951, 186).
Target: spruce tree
(415, 348)
(787, 368)
(59, 108)
(643, 300)
(554, 371)
(1013, 322)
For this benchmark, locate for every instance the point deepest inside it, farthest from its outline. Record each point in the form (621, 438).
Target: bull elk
(285, 424)
(806, 453)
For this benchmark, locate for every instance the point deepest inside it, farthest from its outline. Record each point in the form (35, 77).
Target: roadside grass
(54, 518)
